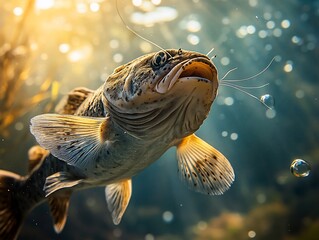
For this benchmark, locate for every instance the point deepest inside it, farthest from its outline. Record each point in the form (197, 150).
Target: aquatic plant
(16, 60)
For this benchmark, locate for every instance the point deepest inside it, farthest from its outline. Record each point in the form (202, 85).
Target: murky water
(66, 44)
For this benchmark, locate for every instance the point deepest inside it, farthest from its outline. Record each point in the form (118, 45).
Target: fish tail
(13, 207)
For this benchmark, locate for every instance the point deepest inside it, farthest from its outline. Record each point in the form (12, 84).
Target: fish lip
(199, 68)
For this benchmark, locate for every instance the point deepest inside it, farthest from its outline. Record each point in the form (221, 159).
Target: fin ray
(73, 139)
(59, 181)
(117, 197)
(59, 208)
(13, 207)
(202, 167)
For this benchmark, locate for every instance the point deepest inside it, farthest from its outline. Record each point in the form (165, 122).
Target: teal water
(78, 43)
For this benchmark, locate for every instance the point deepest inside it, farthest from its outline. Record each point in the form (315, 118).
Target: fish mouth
(198, 68)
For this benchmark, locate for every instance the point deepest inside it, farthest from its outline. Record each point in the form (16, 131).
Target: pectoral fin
(73, 139)
(202, 167)
(117, 197)
(59, 208)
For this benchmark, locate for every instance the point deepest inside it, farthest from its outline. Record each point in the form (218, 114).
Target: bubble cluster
(300, 168)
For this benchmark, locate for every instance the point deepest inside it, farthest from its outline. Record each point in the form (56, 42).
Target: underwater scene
(264, 119)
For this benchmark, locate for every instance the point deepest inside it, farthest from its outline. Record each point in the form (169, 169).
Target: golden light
(42, 5)
(64, 47)
(94, 7)
(75, 56)
(81, 8)
(156, 2)
(137, 3)
(18, 11)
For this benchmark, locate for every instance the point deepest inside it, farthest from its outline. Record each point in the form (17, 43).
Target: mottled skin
(146, 107)
(143, 120)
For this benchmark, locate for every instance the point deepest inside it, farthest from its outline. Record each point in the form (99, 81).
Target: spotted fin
(73, 139)
(117, 197)
(203, 168)
(59, 208)
(60, 180)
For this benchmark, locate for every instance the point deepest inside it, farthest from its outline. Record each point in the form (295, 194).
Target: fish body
(105, 137)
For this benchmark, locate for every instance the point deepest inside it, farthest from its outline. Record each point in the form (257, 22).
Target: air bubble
(193, 26)
(268, 100)
(149, 237)
(251, 234)
(224, 133)
(168, 216)
(300, 168)
(262, 33)
(114, 43)
(193, 39)
(300, 94)
(118, 57)
(270, 113)
(64, 47)
(18, 11)
(226, 21)
(288, 66)
(296, 40)
(270, 24)
(234, 136)
(277, 32)
(94, 7)
(201, 225)
(145, 47)
(285, 23)
(251, 29)
(225, 61)
(19, 126)
(229, 101)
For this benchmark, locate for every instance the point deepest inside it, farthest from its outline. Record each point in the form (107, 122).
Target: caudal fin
(12, 211)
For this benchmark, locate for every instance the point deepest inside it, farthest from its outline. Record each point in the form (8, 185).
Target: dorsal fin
(72, 101)
(59, 208)
(36, 156)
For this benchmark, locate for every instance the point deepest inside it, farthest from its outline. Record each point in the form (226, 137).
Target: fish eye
(159, 59)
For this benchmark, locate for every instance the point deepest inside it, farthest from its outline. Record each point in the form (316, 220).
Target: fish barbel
(105, 137)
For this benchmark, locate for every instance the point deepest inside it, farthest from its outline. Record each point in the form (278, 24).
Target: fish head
(171, 89)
